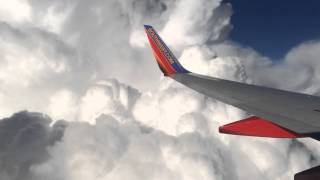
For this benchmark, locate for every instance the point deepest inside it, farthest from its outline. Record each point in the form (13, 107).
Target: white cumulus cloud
(88, 62)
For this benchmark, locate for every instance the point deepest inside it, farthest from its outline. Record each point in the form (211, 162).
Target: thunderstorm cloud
(106, 112)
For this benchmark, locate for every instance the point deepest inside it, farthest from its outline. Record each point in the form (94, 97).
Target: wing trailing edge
(238, 95)
(255, 126)
(287, 117)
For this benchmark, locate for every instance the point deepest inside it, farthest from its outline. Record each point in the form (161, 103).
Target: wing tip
(255, 126)
(146, 26)
(167, 62)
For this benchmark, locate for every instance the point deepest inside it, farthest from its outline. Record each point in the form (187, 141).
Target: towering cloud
(24, 139)
(88, 62)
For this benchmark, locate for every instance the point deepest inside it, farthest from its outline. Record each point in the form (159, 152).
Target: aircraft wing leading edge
(277, 113)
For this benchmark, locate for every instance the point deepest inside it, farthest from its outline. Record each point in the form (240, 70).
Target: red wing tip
(224, 130)
(255, 126)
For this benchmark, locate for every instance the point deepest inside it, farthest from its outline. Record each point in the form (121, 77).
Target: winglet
(167, 62)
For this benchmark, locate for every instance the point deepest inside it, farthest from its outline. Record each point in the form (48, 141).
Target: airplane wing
(277, 113)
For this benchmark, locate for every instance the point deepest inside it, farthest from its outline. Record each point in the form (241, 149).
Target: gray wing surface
(294, 111)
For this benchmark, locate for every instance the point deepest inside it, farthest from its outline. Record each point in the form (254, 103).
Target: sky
(274, 27)
(82, 97)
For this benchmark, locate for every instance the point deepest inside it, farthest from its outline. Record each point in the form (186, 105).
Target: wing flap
(255, 126)
(287, 109)
(286, 114)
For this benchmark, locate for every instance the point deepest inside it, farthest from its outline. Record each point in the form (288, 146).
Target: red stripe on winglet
(255, 126)
(160, 57)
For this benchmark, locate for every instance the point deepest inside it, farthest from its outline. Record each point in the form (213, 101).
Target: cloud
(107, 97)
(88, 63)
(110, 149)
(35, 64)
(197, 22)
(299, 69)
(24, 139)
(15, 11)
